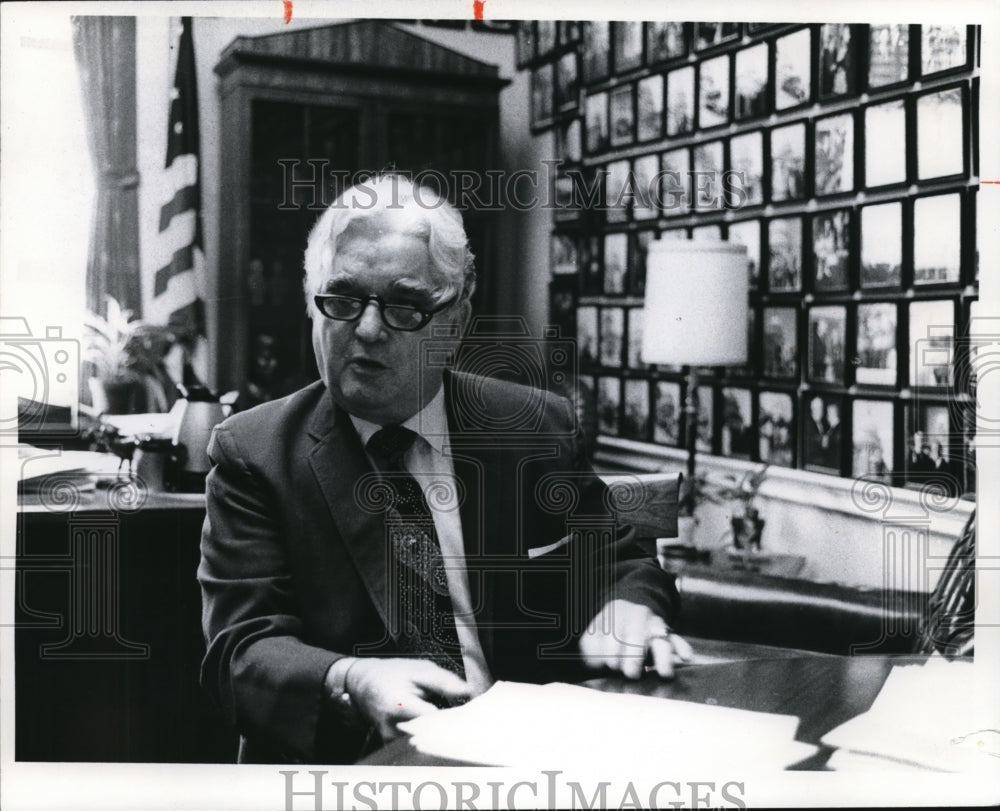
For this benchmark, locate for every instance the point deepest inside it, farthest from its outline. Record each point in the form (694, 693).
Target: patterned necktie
(426, 617)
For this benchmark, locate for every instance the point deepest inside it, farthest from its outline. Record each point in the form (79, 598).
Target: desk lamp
(695, 315)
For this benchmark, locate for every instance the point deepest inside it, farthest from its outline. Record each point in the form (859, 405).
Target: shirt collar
(431, 423)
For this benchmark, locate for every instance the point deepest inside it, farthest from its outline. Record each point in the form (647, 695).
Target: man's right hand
(389, 691)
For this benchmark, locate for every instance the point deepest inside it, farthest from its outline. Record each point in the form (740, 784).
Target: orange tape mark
(288, 10)
(477, 9)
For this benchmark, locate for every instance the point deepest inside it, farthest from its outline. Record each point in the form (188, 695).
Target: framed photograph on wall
(633, 349)
(591, 265)
(587, 335)
(784, 254)
(747, 232)
(737, 423)
(621, 112)
(596, 51)
(708, 168)
(872, 440)
(664, 41)
(751, 82)
(644, 171)
(565, 259)
(608, 401)
(619, 191)
(675, 181)
(635, 420)
(562, 304)
(668, 411)
(713, 92)
(836, 61)
(781, 342)
(615, 262)
(612, 336)
(940, 134)
(569, 142)
(708, 35)
(627, 50)
(823, 441)
(882, 245)
(827, 327)
(680, 101)
(746, 160)
(888, 54)
(568, 31)
(943, 47)
(706, 422)
(597, 123)
(567, 82)
(541, 96)
(834, 151)
(876, 352)
(885, 143)
(931, 341)
(525, 42)
(649, 123)
(776, 435)
(792, 73)
(788, 163)
(932, 456)
(937, 239)
(545, 37)
(831, 234)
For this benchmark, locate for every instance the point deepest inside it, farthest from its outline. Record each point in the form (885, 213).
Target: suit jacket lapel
(341, 468)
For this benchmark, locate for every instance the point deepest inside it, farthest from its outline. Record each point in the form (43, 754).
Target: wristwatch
(336, 683)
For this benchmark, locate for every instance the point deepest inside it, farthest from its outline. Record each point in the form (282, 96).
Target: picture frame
(937, 239)
(941, 133)
(780, 342)
(832, 249)
(827, 329)
(792, 70)
(615, 262)
(638, 253)
(568, 32)
(524, 43)
(872, 440)
(823, 441)
(598, 133)
(633, 346)
(680, 101)
(933, 456)
(621, 114)
(751, 78)
(875, 358)
(882, 245)
(612, 337)
(943, 48)
(710, 34)
(675, 181)
(650, 107)
(587, 336)
(737, 436)
(619, 191)
(567, 202)
(567, 89)
(713, 92)
(837, 68)
(708, 166)
(569, 140)
(644, 171)
(591, 265)
(747, 232)
(564, 254)
(932, 343)
(665, 41)
(705, 431)
(627, 38)
(608, 403)
(888, 54)
(885, 143)
(668, 412)
(635, 419)
(788, 163)
(562, 304)
(541, 96)
(596, 51)
(545, 37)
(746, 162)
(776, 431)
(834, 154)
(784, 251)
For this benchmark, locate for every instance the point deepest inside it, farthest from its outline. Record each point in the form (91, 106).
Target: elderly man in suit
(396, 536)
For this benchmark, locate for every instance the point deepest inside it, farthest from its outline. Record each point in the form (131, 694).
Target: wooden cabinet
(304, 113)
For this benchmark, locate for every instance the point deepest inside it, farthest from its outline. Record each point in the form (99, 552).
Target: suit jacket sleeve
(268, 682)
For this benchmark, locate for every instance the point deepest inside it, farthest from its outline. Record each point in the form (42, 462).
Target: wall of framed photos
(845, 157)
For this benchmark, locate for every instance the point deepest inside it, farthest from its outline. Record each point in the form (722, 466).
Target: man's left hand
(622, 635)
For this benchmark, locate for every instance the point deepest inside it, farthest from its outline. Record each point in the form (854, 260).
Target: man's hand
(622, 634)
(389, 691)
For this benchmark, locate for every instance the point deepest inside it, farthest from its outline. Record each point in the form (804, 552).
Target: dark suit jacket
(294, 562)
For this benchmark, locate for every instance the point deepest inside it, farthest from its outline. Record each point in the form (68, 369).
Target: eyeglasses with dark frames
(400, 317)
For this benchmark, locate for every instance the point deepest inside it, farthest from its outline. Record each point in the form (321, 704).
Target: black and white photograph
(776, 432)
(832, 249)
(784, 252)
(826, 344)
(343, 356)
(876, 351)
(788, 162)
(937, 239)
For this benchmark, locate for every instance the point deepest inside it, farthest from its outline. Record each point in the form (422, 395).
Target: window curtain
(104, 48)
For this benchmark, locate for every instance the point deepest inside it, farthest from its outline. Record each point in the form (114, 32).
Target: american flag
(179, 269)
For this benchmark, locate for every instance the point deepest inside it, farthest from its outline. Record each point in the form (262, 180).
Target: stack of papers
(41, 469)
(926, 717)
(571, 727)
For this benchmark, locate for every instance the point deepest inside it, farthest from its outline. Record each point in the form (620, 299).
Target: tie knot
(387, 445)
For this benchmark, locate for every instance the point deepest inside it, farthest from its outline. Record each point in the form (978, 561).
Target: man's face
(372, 371)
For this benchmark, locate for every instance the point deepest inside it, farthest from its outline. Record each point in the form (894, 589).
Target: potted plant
(747, 525)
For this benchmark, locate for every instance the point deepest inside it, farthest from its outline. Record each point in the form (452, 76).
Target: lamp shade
(695, 311)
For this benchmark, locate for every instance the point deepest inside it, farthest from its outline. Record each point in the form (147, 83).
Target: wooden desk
(823, 691)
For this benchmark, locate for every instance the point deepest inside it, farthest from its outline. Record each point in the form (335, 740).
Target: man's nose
(369, 326)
